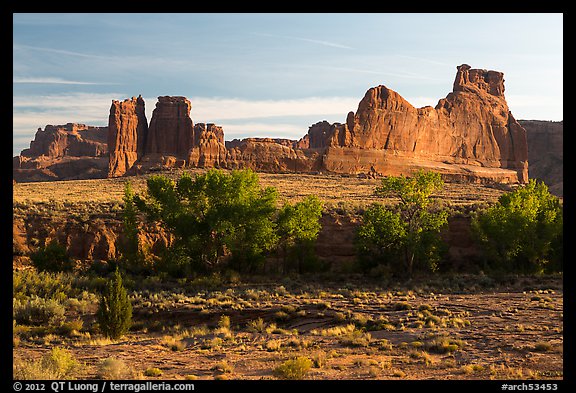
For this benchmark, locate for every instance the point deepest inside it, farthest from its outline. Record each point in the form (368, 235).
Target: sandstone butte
(470, 135)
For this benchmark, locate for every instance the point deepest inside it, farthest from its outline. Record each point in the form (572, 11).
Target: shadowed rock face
(127, 134)
(545, 150)
(171, 129)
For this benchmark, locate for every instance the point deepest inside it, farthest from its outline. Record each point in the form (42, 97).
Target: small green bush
(52, 258)
(153, 372)
(57, 364)
(115, 310)
(294, 369)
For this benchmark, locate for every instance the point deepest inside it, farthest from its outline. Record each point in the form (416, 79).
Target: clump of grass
(294, 368)
(101, 341)
(334, 331)
(153, 372)
(458, 322)
(425, 357)
(224, 322)
(273, 345)
(444, 345)
(214, 343)
(471, 368)
(399, 306)
(384, 345)
(298, 343)
(257, 326)
(281, 316)
(356, 338)
(199, 331)
(542, 346)
(365, 362)
(174, 343)
(224, 329)
(223, 367)
(56, 364)
(399, 373)
(416, 344)
(319, 359)
(112, 368)
(71, 328)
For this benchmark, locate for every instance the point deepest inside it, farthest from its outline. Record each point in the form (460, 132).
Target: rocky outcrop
(63, 152)
(128, 129)
(470, 133)
(68, 140)
(546, 152)
(208, 149)
(271, 155)
(171, 130)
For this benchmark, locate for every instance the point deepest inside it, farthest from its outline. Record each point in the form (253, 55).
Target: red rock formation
(470, 133)
(271, 155)
(71, 139)
(545, 152)
(63, 152)
(171, 130)
(208, 148)
(128, 130)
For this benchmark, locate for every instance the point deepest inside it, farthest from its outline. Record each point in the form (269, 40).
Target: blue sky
(272, 74)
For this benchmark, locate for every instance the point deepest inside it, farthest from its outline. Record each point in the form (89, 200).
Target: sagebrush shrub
(38, 311)
(294, 368)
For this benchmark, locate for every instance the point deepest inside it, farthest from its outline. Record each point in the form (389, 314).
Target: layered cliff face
(128, 129)
(69, 151)
(546, 153)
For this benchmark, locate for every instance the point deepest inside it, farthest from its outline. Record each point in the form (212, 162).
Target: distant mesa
(470, 135)
(69, 151)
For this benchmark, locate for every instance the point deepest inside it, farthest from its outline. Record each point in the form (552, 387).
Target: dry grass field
(332, 189)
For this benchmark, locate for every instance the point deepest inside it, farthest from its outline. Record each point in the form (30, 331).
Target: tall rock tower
(127, 132)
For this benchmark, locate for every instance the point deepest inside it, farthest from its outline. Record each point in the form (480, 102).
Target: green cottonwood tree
(214, 218)
(523, 230)
(412, 231)
(298, 228)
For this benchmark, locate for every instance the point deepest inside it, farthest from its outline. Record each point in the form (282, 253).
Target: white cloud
(534, 107)
(204, 109)
(51, 81)
(313, 41)
(264, 130)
